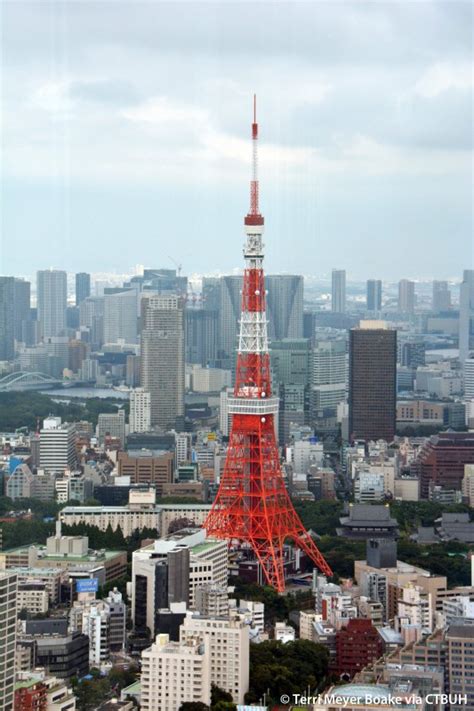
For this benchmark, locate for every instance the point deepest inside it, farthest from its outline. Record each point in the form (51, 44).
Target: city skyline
(370, 146)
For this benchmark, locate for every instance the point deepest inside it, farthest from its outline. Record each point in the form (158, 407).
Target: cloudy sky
(125, 135)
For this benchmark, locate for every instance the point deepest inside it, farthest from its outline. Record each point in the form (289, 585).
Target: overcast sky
(125, 135)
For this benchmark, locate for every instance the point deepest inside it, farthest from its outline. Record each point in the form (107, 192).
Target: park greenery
(95, 688)
(448, 559)
(20, 410)
(277, 668)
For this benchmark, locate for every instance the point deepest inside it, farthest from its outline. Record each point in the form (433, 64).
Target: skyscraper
(162, 358)
(441, 296)
(91, 317)
(51, 286)
(374, 295)
(285, 305)
(7, 331)
(466, 314)
(328, 378)
(21, 313)
(291, 367)
(285, 310)
(372, 381)
(83, 287)
(338, 304)
(120, 316)
(406, 296)
(201, 336)
(8, 606)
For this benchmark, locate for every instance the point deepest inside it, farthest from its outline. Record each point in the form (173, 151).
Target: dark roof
(461, 631)
(454, 518)
(372, 514)
(426, 534)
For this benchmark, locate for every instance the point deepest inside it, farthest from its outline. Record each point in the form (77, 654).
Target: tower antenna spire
(254, 217)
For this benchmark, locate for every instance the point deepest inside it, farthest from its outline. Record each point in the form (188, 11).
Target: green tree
(277, 669)
(218, 694)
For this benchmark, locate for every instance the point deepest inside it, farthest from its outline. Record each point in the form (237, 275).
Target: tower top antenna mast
(254, 218)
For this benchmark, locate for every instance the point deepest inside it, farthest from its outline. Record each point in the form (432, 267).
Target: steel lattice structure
(252, 505)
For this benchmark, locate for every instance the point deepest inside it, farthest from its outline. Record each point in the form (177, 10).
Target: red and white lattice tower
(252, 505)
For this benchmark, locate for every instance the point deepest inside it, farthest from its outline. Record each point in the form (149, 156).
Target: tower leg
(270, 556)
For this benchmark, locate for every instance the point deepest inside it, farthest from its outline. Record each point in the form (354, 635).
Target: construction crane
(178, 266)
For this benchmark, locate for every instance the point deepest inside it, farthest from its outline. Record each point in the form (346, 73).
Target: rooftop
(90, 557)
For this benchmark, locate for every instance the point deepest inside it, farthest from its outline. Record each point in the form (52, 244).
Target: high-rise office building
(201, 336)
(83, 287)
(284, 310)
(22, 311)
(140, 411)
(91, 319)
(328, 377)
(7, 329)
(441, 296)
(8, 607)
(466, 315)
(57, 445)
(111, 425)
(338, 303)
(162, 359)
(374, 295)
(166, 281)
(284, 306)
(211, 293)
(406, 296)
(291, 368)
(51, 287)
(372, 381)
(120, 316)
(229, 314)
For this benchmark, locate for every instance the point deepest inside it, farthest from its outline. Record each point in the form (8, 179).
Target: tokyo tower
(252, 505)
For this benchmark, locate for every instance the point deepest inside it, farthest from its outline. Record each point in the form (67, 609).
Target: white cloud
(445, 76)
(161, 111)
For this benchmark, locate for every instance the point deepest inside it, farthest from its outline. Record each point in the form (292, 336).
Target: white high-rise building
(174, 673)
(415, 609)
(469, 379)
(57, 445)
(468, 484)
(95, 624)
(338, 304)
(103, 621)
(466, 314)
(51, 287)
(140, 411)
(329, 377)
(225, 418)
(229, 647)
(8, 612)
(183, 447)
